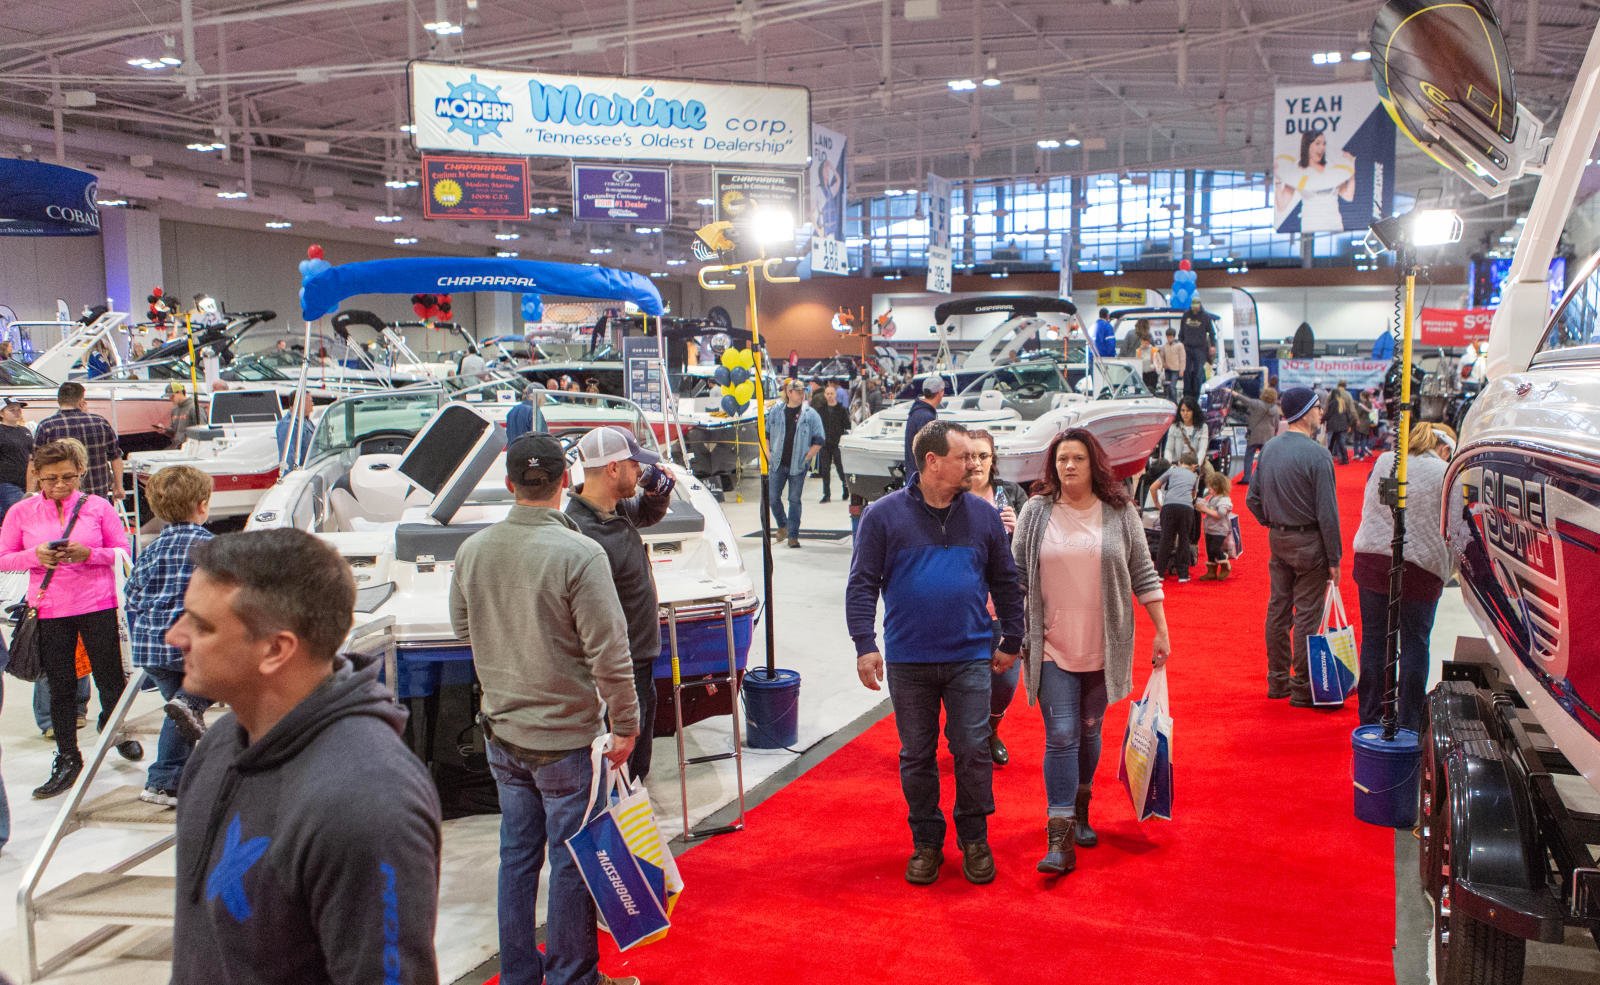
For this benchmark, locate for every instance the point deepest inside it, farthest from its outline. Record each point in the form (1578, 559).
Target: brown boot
(1059, 855)
(1085, 835)
(1225, 571)
(1211, 573)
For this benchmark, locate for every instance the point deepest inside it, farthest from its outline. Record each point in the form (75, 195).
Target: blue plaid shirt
(155, 593)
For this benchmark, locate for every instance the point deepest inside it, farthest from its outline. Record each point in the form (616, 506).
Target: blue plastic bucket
(1386, 776)
(771, 708)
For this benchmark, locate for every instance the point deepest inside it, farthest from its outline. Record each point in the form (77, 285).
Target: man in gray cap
(535, 598)
(1293, 496)
(794, 437)
(923, 410)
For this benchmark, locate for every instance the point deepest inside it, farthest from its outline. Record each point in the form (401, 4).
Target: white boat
(1023, 402)
(399, 480)
(237, 447)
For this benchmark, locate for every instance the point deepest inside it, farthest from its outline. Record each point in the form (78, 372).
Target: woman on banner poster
(1317, 185)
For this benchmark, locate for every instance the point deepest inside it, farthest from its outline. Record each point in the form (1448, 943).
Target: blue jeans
(10, 495)
(41, 700)
(538, 808)
(1250, 453)
(1002, 687)
(776, 482)
(963, 689)
(1073, 706)
(1416, 625)
(172, 749)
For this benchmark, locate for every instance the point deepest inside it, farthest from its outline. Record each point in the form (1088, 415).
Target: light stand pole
(1394, 494)
(749, 269)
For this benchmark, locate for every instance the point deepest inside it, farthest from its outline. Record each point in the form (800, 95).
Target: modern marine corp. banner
(535, 114)
(1333, 164)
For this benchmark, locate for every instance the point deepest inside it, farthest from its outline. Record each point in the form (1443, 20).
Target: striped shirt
(99, 439)
(155, 593)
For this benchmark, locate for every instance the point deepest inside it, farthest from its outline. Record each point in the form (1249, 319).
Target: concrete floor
(809, 590)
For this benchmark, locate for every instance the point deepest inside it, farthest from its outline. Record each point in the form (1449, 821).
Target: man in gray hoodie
(536, 599)
(308, 834)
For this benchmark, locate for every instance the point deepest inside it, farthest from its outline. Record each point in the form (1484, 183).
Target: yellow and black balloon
(736, 377)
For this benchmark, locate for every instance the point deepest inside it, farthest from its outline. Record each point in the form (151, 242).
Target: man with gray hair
(308, 834)
(924, 410)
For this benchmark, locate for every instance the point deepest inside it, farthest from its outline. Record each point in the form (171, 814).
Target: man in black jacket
(924, 410)
(609, 509)
(835, 424)
(1199, 340)
(308, 834)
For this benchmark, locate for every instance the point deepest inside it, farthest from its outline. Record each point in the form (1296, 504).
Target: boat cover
(323, 292)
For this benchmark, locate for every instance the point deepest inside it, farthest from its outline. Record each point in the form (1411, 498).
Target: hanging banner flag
(601, 193)
(47, 200)
(939, 269)
(1246, 329)
(1455, 326)
(827, 179)
(474, 188)
(537, 114)
(1333, 165)
(939, 191)
(1358, 374)
(740, 192)
(1064, 277)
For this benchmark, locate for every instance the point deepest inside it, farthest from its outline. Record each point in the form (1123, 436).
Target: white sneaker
(163, 798)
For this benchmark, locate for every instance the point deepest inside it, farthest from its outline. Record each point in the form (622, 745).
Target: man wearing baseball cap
(610, 509)
(1293, 495)
(535, 599)
(924, 410)
(16, 450)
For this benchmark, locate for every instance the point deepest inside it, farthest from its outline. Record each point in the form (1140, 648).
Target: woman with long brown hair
(1083, 559)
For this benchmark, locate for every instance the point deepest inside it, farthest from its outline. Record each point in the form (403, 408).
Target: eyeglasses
(53, 480)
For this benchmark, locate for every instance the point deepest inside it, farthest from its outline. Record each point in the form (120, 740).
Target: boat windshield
(1577, 321)
(14, 373)
(1022, 379)
(1118, 380)
(346, 423)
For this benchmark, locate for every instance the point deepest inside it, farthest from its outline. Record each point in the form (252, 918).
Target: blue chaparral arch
(323, 292)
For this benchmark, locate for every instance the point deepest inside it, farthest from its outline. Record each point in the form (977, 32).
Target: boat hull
(1522, 516)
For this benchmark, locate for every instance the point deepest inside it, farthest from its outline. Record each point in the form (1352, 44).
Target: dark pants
(1194, 370)
(1152, 381)
(1416, 625)
(58, 648)
(644, 682)
(1299, 572)
(1216, 548)
(964, 690)
(41, 701)
(1250, 453)
(1175, 521)
(1336, 446)
(830, 459)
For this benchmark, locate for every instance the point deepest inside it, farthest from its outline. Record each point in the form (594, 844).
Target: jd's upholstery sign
(533, 114)
(47, 200)
(741, 192)
(474, 188)
(827, 175)
(1333, 164)
(601, 193)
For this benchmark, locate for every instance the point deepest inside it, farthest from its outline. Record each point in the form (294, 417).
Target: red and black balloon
(431, 307)
(161, 310)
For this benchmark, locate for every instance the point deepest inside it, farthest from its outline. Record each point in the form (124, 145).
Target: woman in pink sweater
(80, 599)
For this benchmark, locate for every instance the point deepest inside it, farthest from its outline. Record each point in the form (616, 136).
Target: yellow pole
(194, 376)
(1403, 439)
(755, 351)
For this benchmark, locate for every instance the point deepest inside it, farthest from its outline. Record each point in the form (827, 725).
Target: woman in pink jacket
(81, 599)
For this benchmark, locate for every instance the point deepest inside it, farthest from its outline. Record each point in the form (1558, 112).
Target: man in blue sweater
(936, 556)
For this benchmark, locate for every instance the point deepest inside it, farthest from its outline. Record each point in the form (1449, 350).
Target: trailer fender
(1498, 872)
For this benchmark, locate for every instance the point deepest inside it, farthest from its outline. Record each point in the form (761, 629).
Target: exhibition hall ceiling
(305, 95)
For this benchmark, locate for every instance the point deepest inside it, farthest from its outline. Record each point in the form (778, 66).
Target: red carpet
(1263, 876)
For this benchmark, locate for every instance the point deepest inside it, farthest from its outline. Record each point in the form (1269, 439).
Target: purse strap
(72, 521)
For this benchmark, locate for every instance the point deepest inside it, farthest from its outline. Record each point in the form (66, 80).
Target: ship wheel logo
(474, 109)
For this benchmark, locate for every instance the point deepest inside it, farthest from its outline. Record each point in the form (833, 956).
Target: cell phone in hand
(58, 545)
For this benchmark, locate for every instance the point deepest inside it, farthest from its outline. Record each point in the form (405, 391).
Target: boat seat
(344, 509)
(415, 540)
(378, 486)
(991, 400)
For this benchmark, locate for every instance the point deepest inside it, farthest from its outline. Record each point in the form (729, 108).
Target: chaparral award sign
(538, 114)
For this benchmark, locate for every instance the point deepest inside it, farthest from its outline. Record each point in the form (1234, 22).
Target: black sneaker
(63, 774)
(130, 750)
(977, 863)
(190, 722)
(825, 499)
(923, 868)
